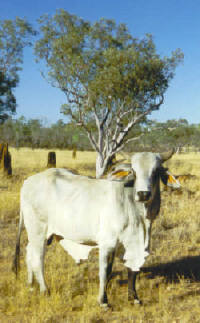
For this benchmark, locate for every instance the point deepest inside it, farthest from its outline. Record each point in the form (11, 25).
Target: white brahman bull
(86, 212)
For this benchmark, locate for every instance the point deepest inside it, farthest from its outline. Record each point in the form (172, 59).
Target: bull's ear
(121, 175)
(169, 179)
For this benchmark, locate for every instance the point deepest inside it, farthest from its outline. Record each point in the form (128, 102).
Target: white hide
(81, 209)
(133, 237)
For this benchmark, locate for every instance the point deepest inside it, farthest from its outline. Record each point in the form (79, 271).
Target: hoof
(46, 292)
(106, 306)
(103, 301)
(137, 302)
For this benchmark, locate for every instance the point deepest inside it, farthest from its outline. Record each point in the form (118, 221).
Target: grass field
(168, 285)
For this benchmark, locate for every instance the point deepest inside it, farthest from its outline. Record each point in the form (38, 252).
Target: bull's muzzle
(143, 196)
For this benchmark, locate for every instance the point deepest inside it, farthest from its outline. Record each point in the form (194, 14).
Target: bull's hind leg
(36, 231)
(106, 258)
(35, 264)
(28, 264)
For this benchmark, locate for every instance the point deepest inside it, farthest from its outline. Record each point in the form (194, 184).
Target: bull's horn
(166, 155)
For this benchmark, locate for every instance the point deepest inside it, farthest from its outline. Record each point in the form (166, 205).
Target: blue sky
(173, 24)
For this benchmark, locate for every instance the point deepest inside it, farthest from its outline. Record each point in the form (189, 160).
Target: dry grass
(169, 284)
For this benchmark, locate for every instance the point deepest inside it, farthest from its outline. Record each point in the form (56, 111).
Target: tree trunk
(103, 165)
(100, 166)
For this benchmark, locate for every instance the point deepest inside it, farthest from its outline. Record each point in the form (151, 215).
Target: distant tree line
(153, 135)
(35, 134)
(179, 134)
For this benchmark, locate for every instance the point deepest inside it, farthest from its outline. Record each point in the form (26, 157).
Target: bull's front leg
(132, 294)
(106, 258)
(148, 226)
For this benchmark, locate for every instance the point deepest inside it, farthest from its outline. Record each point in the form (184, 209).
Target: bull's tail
(15, 266)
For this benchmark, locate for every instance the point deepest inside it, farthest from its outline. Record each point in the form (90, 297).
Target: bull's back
(38, 190)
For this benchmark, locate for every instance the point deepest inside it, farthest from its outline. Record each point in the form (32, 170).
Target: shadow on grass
(188, 267)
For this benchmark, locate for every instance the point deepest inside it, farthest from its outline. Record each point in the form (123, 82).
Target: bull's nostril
(144, 195)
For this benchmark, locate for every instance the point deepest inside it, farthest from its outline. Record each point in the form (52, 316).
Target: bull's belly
(76, 250)
(78, 227)
(79, 232)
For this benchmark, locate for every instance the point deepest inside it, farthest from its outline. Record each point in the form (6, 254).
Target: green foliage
(14, 36)
(7, 98)
(101, 65)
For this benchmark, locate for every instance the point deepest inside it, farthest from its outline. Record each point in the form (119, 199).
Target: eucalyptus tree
(112, 80)
(14, 36)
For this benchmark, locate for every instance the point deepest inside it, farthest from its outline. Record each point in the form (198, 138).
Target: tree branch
(80, 122)
(105, 118)
(118, 142)
(127, 141)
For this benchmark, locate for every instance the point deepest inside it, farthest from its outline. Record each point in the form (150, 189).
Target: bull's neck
(153, 207)
(150, 209)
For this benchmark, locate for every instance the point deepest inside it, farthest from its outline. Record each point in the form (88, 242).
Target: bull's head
(145, 172)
